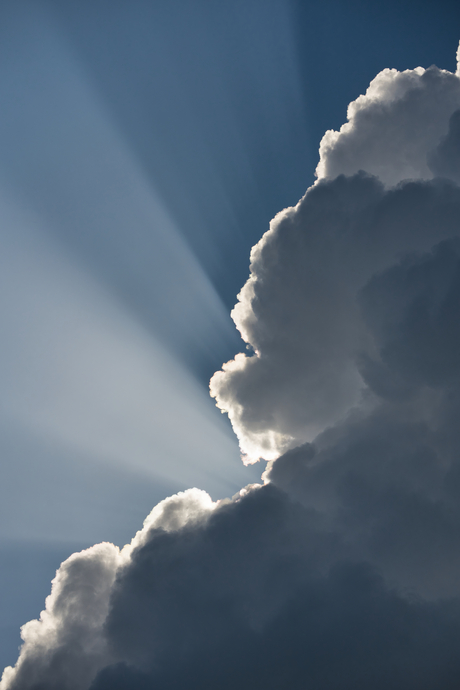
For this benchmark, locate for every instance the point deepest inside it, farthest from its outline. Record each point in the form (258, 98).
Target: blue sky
(144, 148)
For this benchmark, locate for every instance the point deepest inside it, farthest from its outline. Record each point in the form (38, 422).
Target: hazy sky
(144, 149)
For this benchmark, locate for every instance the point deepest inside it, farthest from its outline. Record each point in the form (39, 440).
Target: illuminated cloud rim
(342, 569)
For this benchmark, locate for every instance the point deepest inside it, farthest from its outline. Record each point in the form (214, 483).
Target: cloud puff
(65, 648)
(393, 127)
(342, 570)
(299, 308)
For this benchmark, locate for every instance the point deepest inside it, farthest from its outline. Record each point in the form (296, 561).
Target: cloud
(412, 311)
(299, 309)
(342, 569)
(255, 591)
(70, 629)
(444, 159)
(68, 644)
(79, 369)
(393, 127)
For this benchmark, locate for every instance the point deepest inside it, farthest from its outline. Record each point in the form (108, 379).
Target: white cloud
(70, 628)
(393, 127)
(299, 310)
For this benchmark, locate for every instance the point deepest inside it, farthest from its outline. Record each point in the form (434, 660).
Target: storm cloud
(340, 571)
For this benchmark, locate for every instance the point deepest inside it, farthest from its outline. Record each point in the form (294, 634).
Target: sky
(154, 165)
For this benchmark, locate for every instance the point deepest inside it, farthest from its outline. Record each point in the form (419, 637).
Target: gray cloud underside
(261, 594)
(342, 570)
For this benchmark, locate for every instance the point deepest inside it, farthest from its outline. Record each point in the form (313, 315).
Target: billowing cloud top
(342, 570)
(393, 129)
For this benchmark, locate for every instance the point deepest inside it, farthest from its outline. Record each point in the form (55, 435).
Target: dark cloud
(412, 311)
(444, 161)
(342, 570)
(386, 483)
(341, 631)
(386, 478)
(258, 592)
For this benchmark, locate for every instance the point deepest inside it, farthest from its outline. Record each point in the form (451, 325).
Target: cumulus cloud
(68, 645)
(298, 311)
(393, 127)
(65, 648)
(342, 569)
(299, 308)
(254, 592)
(444, 159)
